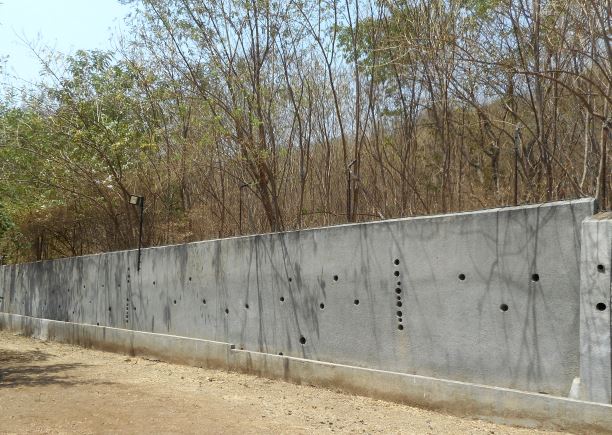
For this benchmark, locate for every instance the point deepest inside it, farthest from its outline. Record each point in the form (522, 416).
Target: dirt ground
(48, 387)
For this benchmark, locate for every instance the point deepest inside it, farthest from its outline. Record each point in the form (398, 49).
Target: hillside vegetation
(247, 116)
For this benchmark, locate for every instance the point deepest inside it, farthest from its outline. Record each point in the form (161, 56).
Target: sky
(64, 25)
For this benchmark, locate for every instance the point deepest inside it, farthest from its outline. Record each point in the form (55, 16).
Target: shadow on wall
(487, 297)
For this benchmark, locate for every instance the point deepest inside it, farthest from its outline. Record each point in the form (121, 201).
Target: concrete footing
(495, 404)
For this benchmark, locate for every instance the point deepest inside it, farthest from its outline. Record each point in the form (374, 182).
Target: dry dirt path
(47, 387)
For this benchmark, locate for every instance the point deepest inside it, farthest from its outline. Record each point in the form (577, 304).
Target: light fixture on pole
(139, 201)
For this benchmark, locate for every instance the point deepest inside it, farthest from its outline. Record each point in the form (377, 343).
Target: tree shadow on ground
(32, 368)
(15, 357)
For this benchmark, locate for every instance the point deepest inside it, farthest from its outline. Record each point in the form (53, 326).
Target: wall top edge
(602, 216)
(506, 209)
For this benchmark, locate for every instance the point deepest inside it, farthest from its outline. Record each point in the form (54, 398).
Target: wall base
(499, 405)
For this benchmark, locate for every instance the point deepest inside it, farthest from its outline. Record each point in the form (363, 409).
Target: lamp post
(139, 201)
(242, 186)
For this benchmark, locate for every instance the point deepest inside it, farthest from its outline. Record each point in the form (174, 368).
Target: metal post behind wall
(140, 230)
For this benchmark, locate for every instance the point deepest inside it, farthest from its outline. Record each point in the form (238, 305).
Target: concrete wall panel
(490, 297)
(595, 318)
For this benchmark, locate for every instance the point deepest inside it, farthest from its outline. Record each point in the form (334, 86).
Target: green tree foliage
(68, 150)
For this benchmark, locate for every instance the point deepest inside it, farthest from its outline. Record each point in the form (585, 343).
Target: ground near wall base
(499, 405)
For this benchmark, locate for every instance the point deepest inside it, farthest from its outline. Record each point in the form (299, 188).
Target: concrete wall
(489, 297)
(595, 318)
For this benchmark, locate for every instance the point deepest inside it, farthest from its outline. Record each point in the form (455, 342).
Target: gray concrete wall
(489, 297)
(595, 318)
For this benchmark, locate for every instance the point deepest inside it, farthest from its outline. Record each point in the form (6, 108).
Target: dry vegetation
(306, 113)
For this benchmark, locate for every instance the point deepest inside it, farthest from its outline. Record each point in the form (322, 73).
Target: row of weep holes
(127, 301)
(503, 306)
(281, 298)
(398, 295)
(601, 306)
(302, 339)
(535, 277)
(462, 277)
